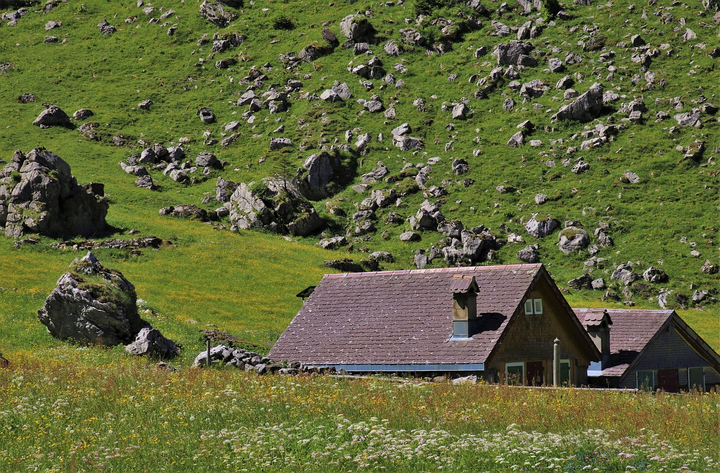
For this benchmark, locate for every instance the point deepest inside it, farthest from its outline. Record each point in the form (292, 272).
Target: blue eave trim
(409, 367)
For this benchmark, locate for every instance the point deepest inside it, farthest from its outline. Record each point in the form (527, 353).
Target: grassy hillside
(245, 282)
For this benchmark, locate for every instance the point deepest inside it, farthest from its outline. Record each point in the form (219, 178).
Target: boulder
(215, 13)
(585, 108)
(208, 160)
(149, 341)
(573, 239)
(38, 194)
(206, 115)
(625, 274)
(275, 205)
(92, 305)
(653, 274)
(224, 190)
(581, 282)
(321, 170)
(52, 116)
(541, 228)
(345, 265)
(145, 182)
(529, 254)
(509, 53)
(356, 28)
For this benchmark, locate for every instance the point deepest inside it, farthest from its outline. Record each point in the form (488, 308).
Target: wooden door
(668, 380)
(535, 373)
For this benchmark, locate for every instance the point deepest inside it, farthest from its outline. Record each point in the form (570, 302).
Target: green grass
(244, 283)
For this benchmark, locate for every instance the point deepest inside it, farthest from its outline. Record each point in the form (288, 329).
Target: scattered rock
(53, 116)
(149, 341)
(206, 115)
(573, 239)
(529, 254)
(654, 275)
(585, 108)
(541, 228)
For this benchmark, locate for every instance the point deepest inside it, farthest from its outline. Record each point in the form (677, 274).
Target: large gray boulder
(92, 305)
(541, 228)
(508, 54)
(38, 194)
(573, 239)
(275, 205)
(356, 28)
(585, 108)
(215, 13)
(321, 170)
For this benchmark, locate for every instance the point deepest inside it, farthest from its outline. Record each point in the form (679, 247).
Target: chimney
(598, 327)
(464, 290)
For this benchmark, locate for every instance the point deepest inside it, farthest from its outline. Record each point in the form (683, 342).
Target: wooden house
(648, 349)
(498, 322)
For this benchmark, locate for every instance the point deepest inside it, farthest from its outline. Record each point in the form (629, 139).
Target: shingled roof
(404, 317)
(632, 331)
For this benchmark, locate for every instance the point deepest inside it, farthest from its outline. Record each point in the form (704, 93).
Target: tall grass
(64, 416)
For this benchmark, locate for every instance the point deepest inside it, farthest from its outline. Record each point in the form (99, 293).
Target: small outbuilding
(497, 322)
(648, 349)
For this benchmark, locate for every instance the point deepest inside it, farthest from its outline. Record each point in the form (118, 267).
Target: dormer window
(533, 306)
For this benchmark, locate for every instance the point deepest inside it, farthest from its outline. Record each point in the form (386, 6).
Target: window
(696, 378)
(645, 380)
(565, 373)
(529, 307)
(538, 306)
(533, 306)
(515, 373)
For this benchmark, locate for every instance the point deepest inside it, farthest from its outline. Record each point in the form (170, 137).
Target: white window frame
(703, 376)
(529, 307)
(637, 380)
(538, 306)
(569, 365)
(533, 306)
(520, 364)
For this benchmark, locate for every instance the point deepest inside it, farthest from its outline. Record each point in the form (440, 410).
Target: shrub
(550, 8)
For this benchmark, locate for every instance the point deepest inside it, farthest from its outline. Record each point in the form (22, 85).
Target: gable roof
(632, 332)
(405, 317)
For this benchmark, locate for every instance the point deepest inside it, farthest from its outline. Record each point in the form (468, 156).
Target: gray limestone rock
(92, 305)
(216, 14)
(529, 254)
(53, 116)
(541, 228)
(38, 194)
(573, 239)
(585, 108)
(149, 341)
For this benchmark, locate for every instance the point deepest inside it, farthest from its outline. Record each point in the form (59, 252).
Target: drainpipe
(556, 362)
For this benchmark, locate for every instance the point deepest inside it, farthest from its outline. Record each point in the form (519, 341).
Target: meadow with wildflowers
(131, 416)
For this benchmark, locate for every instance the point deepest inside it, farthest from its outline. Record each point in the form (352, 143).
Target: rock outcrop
(585, 108)
(274, 205)
(38, 194)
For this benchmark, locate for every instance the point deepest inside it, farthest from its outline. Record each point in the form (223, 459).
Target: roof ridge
(454, 269)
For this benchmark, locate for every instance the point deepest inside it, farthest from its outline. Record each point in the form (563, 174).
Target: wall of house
(530, 338)
(670, 351)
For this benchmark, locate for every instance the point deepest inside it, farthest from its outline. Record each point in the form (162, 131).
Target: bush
(550, 8)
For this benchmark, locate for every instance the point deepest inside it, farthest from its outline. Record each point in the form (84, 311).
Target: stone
(410, 236)
(278, 143)
(709, 268)
(53, 116)
(208, 160)
(188, 211)
(654, 275)
(625, 274)
(529, 254)
(541, 228)
(333, 243)
(688, 119)
(356, 28)
(321, 170)
(581, 282)
(145, 182)
(556, 65)
(281, 209)
(598, 284)
(585, 108)
(92, 305)
(145, 104)
(206, 115)
(149, 341)
(509, 53)
(517, 140)
(106, 28)
(573, 239)
(460, 112)
(38, 194)
(631, 177)
(216, 14)
(330, 95)
(82, 114)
